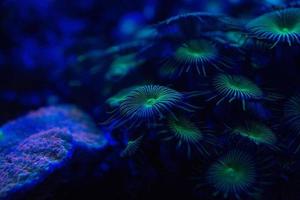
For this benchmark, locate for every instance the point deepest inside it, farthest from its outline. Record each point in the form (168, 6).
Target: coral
(33, 158)
(292, 113)
(149, 103)
(116, 99)
(257, 133)
(38, 143)
(122, 66)
(132, 147)
(187, 135)
(281, 26)
(78, 123)
(235, 87)
(197, 55)
(152, 80)
(233, 174)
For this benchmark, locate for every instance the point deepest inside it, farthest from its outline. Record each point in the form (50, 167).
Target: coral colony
(199, 105)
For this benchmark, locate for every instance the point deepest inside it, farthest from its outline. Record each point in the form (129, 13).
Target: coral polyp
(281, 26)
(233, 174)
(185, 130)
(198, 55)
(122, 66)
(257, 133)
(150, 103)
(187, 135)
(292, 113)
(116, 99)
(132, 147)
(235, 87)
(1, 135)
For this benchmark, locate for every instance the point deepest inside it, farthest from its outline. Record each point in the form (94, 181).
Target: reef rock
(35, 145)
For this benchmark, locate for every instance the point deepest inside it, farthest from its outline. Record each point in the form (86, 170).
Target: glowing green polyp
(195, 49)
(188, 135)
(278, 26)
(285, 30)
(256, 136)
(1, 135)
(124, 61)
(232, 174)
(240, 84)
(190, 52)
(234, 87)
(132, 147)
(258, 133)
(236, 38)
(150, 102)
(292, 113)
(116, 99)
(185, 130)
(197, 54)
(122, 65)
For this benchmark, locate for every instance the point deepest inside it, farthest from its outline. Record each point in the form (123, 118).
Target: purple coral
(36, 144)
(79, 124)
(34, 157)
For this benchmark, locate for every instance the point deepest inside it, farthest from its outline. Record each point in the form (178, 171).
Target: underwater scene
(149, 99)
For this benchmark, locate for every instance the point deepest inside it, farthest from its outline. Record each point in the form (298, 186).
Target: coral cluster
(35, 145)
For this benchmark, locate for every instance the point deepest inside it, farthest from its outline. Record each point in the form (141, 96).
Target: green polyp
(1, 135)
(119, 97)
(237, 38)
(183, 130)
(115, 101)
(239, 84)
(195, 49)
(257, 136)
(124, 61)
(233, 173)
(123, 64)
(187, 134)
(285, 30)
(186, 130)
(230, 172)
(236, 84)
(150, 102)
(195, 52)
(258, 133)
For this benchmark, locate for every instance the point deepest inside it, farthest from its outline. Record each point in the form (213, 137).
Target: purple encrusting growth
(34, 157)
(32, 146)
(80, 125)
